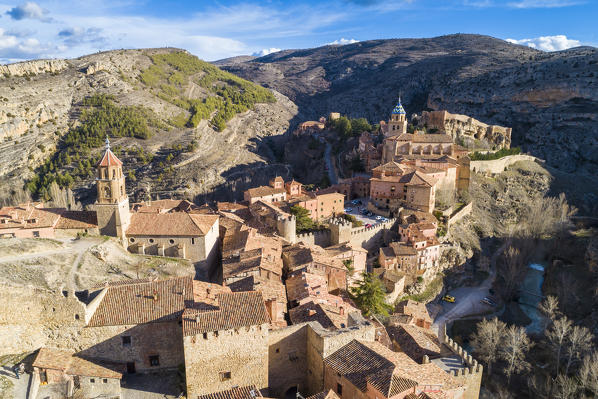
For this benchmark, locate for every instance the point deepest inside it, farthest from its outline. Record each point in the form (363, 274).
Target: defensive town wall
(496, 166)
(471, 374)
(341, 231)
(321, 238)
(466, 210)
(370, 237)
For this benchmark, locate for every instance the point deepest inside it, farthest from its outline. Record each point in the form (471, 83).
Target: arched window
(114, 173)
(107, 192)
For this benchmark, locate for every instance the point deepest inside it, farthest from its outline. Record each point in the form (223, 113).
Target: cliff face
(41, 101)
(549, 99)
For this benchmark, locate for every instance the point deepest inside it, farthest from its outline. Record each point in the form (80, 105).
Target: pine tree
(369, 295)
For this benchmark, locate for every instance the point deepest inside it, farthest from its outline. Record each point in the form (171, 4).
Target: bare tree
(557, 336)
(511, 270)
(549, 307)
(540, 386)
(579, 343)
(503, 393)
(588, 372)
(487, 339)
(514, 350)
(445, 197)
(57, 196)
(546, 216)
(565, 387)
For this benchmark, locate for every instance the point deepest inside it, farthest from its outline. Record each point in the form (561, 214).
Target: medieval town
(272, 309)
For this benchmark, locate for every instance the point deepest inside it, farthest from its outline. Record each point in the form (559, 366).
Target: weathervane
(107, 143)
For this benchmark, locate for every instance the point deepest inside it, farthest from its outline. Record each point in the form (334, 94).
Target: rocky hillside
(549, 99)
(164, 109)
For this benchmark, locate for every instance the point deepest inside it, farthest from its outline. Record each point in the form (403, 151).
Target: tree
(303, 219)
(343, 127)
(487, 339)
(588, 372)
(513, 351)
(579, 343)
(369, 295)
(557, 335)
(359, 126)
(566, 387)
(549, 307)
(511, 270)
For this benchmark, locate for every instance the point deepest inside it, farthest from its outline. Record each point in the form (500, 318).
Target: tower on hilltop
(397, 123)
(112, 203)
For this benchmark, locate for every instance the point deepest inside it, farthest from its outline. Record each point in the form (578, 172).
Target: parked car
(378, 217)
(364, 211)
(368, 225)
(369, 214)
(384, 219)
(347, 210)
(488, 302)
(448, 298)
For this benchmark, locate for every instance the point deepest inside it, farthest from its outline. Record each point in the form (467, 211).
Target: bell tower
(397, 124)
(112, 203)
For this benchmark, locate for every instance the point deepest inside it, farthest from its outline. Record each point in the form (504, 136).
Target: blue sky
(219, 29)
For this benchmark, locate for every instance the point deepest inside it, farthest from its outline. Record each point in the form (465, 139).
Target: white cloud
(548, 43)
(341, 42)
(14, 48)
(28, 10)
(544, 3)
(266, 51)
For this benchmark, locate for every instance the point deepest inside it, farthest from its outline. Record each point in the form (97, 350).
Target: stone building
(464, 128)
(275, 192)
(112, 202)
(397, 124)
(362, 369)
(226, 344)
(394, 186)
(60, 370)
(273, 292)
(417, 258)
(411, 312)
(300, 258)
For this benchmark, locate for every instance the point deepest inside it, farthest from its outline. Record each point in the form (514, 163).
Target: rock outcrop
(32, 68)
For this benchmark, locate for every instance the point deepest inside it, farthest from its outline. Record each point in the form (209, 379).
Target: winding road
(330, 164)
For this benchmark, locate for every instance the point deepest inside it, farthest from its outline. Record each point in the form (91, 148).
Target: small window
(132, 240)
(151, 240)
(225, 375)
(92, 380)
(76, 316)
(36, 234)
(126, 340)
(171, 241)
(277, 350)
(339, 389)
(105, 380)
(192, 240)
(154, 360)
(205, 335)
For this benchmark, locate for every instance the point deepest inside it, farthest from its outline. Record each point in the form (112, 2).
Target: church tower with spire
(397, 124)
(112, 203)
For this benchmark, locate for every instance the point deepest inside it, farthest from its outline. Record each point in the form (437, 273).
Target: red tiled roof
(248, 392)
(109, 159)
(170, 224)
(235, 310)
(65, 361)
(77, 220)
(135, 304)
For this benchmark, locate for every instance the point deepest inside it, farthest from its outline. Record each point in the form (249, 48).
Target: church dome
(399, 110)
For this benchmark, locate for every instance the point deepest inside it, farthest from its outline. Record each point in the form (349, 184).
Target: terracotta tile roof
(416, 341)
(402, 249)
(165, 206)
(413, 308)
(269, 289)
(121, 282)
(248, 392)
(230, 206)
(251, 260)
(170, 224)
(109, 159)
(27, 216)
(305, 285)
(300, 255)
(264, 191)
(357, 361)
(77, 220)
(235, 310)
(135, 303)
(324, 395)
(329, 316)
(65, 361)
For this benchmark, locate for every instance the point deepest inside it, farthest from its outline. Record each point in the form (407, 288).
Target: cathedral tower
(397, 124)
(112, 204)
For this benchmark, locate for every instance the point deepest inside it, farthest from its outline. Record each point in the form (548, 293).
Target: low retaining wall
(466, 210)
(496, 166)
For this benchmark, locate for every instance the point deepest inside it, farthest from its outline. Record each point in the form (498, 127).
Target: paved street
(356, 211)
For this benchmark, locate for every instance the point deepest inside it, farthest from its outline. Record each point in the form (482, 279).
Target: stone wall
(466, 210)
(370, 237)
(496, 166)
(321, 238)
(471, 375)
(153, 339)
(242, 352)
(287, 360)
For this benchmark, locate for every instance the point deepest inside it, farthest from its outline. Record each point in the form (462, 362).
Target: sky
(218, 29)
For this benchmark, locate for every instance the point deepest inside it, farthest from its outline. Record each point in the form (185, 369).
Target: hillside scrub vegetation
(490, 156)
(101, 116)
(226, 95)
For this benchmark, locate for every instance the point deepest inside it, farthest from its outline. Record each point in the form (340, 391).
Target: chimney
(155, 296)
(197, 318)
(311, 312)
(342, 311)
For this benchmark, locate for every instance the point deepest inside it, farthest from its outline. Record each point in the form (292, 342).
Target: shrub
(503, 152)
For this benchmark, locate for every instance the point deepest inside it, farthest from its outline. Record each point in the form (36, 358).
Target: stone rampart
(370, 237)
(496, 166)
(471, 374)
(466, 210)
(321, 238)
